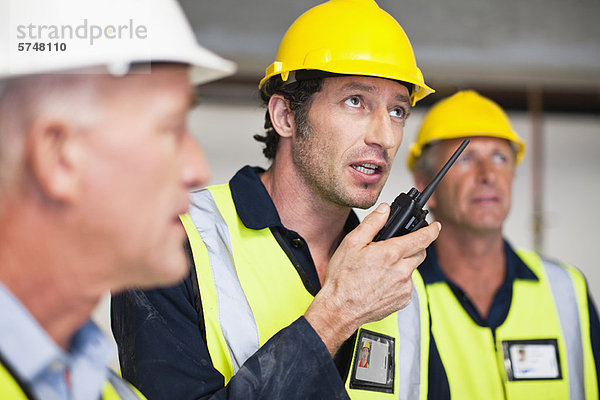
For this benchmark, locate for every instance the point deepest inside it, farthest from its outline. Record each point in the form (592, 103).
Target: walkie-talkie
(406, 213)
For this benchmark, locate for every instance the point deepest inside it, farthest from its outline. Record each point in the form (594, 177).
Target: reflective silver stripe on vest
(235, 316)
(409, 349)
(121, 387)
(565, 301)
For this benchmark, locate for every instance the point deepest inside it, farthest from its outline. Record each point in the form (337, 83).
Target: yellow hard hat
(351, 37)
(367, 344)
(464, 114)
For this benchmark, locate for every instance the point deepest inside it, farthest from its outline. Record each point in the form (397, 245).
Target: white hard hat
(58, 36)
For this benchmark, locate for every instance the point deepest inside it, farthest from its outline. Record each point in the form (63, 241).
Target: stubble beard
(310, 161)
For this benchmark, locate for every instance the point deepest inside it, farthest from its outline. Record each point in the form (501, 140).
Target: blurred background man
(486, 299)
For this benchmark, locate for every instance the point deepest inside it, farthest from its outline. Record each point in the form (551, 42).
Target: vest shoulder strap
(570, 299)
(116, 388)
(11, 386)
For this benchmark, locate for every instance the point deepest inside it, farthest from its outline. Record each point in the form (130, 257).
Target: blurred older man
(95, 169)
(487, 301)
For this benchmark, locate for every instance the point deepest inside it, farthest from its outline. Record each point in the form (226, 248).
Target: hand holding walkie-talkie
(406, 212)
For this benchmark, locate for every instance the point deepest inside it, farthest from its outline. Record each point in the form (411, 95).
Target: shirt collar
(255, 207)
(23, 342)
(30, 351)
(515, 267)
(252, 201)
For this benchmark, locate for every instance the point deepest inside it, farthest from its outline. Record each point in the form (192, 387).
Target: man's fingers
(419, 240)
(368, 228)
(415, 260)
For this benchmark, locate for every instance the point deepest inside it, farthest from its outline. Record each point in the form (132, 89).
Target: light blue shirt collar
(41, 363)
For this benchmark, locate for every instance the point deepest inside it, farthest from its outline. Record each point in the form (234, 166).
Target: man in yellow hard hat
(96, 163)
(491, 304)
(282, 278)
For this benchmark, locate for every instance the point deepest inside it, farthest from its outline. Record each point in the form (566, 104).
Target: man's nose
(383, 132)
(196, 171)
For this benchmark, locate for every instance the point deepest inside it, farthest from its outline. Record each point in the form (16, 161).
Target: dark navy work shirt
(159, 332)
(516, 269)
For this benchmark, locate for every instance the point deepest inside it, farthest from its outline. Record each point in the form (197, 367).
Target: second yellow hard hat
(464, 114)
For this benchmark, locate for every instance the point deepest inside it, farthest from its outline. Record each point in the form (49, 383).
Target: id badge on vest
(374, 362)
(532, 359)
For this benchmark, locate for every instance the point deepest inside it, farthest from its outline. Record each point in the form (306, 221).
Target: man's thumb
(372, 224)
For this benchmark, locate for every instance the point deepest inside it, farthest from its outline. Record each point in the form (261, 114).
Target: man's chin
(365, 201)
(487, 228)
(169, 273)
(364, 205)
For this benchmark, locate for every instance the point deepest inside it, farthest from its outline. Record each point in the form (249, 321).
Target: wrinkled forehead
(162, 78)
(368, 84)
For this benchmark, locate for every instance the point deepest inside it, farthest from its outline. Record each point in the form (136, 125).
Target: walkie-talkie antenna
(428, 191)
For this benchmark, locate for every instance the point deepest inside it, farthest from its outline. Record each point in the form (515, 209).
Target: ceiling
(506, 49)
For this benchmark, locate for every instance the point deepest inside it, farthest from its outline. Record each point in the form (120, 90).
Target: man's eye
(398, 112)
(463, 159)
(500, 158)
(353, 101)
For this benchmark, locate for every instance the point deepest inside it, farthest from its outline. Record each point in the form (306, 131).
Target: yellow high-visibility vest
(552, 309)
(250, 290)
(114, 388)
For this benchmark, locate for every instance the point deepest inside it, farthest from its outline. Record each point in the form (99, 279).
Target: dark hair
(299, 94)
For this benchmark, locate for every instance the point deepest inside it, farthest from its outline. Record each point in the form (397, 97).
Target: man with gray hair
(506, 323)
(96, 163)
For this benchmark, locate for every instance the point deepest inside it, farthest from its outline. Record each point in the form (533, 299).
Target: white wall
(572, 180)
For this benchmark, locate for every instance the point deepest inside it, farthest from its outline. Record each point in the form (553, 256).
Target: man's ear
(282, 116)
(53, 154)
